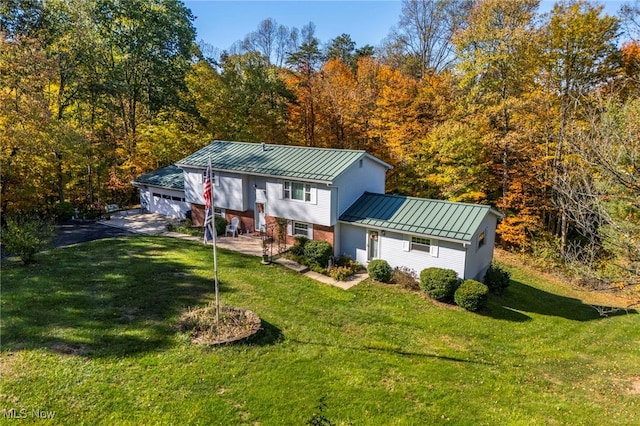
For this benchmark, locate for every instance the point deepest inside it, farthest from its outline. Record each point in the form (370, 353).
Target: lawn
(89, 333)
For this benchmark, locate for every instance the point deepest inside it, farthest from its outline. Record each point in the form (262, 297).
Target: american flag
(208, 219)
(207, 188)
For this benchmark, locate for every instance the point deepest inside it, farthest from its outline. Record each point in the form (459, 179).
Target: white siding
(353, 242)
(228, 192)
(318, 211)
(355, 181)
(193, 186)
(479, 258)
(444, 254)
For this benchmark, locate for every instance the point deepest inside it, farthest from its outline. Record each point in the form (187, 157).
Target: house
(333, 195)
(417, 233)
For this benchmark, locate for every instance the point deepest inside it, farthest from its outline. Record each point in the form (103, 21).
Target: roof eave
(244, 172)
(400, 231)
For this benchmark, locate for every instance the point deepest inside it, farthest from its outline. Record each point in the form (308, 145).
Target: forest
(485, 101)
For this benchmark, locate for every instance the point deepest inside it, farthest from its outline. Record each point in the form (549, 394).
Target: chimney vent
(264, 147)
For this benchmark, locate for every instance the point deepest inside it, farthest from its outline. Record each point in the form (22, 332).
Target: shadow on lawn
(521, 298)
(105, 298)
(390, 350)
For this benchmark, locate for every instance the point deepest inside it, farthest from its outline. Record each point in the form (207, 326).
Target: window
(298, 191)
(421, 244)
(214, 179)
(481, 239)
(301, 228)
(218, 212)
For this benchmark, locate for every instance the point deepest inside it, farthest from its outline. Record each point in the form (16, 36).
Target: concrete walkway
(155, 224)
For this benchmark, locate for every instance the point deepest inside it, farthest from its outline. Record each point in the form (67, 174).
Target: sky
(220, 23)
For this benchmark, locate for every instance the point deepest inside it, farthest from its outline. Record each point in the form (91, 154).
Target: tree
(305, 61)
(601, 195)
(580, 56)
(246, 101)
(422, 41)
(499, 64)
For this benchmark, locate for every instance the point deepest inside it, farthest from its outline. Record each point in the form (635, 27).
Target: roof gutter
(415, 234)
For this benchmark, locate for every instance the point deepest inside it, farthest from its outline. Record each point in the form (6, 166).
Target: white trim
(292, 231)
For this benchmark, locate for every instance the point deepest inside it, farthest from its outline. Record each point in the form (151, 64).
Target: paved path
(133, 221)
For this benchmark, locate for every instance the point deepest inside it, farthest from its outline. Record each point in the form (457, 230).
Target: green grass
(89, 333)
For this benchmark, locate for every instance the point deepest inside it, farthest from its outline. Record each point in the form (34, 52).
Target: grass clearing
(89, 333)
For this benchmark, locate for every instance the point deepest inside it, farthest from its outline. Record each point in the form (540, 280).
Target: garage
(162, 192)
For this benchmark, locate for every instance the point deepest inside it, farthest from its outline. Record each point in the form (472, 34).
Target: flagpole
(215, 256)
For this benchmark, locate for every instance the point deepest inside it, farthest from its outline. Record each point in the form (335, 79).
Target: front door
(261, 223)
(374, 242)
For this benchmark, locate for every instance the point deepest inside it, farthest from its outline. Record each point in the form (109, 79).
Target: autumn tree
(499, 66)
(580, 56)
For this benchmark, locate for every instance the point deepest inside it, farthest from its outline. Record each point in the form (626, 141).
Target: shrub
(497, 279)
(63, 210)
(220, 224)
(439, 283)
(24, 237)
(380, 270)
(317, 253)
(346, 261)
(341, 273)
(405, 278)
(471, 295)
(298, 247)
(93, 211)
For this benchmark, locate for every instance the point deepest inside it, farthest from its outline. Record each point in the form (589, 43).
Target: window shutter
(406, 245)
(216, 178)
(434, 248)
(310, 232)
(289, 228)
(280, 192)
(314, 194)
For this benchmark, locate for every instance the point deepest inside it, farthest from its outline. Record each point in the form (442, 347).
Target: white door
(374, 245)
(261, 222)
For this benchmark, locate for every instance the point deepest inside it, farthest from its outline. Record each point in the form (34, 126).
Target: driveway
(74, 232)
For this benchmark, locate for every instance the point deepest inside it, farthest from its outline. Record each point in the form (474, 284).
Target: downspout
(336, 228)
(464, 270)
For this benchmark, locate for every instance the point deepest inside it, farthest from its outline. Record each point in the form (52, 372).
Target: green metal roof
(440, 219)
(315, 164)
(171, 177)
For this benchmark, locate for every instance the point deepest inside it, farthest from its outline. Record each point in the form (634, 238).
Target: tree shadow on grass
(390, 350)
(113, 297)
(521, 298)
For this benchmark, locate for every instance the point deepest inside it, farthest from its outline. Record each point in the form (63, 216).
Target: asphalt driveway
(74, 232)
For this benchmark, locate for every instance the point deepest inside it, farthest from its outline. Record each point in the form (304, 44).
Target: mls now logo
(23, 413)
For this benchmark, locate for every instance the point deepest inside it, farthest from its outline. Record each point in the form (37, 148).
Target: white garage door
(168, 203)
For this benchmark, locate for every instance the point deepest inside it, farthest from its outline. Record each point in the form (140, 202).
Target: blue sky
(221, 23)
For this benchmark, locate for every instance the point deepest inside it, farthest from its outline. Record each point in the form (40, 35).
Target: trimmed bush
(497, 279)
(471, 295)
(220, 224)
(439, 283)
(298, 247)
(317, 253)
(24, 237)
(379, 270)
